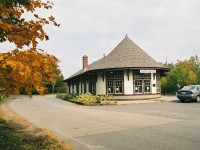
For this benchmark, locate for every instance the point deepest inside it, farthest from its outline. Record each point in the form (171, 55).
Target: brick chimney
(85, 62)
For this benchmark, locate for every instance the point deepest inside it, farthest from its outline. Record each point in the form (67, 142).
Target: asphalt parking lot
(162, 125)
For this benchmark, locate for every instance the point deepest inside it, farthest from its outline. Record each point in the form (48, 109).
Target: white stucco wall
(128, 84)
(100, 85)
(71, 89)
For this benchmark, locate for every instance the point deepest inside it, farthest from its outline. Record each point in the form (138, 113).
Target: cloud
(164, 29)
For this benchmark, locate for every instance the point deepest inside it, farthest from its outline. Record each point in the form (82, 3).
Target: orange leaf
(51, 18)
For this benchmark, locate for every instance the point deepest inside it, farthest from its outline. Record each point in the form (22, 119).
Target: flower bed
(88, 99)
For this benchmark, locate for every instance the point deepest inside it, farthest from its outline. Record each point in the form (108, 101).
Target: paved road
(153, 126)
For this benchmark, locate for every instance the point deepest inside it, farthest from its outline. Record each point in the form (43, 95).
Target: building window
(146, 75)
(110, 86)
(118, 87)
(137, 74)
(138, 86)
(114, 82)
(147, 86)
(142, 83)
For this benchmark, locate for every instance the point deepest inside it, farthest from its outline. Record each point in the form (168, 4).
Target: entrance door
(138, 86)
(142, 86)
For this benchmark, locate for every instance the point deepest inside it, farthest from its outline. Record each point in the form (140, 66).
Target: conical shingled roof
(125, 55)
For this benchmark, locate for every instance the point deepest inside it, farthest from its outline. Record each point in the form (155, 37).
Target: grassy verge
(18, 134)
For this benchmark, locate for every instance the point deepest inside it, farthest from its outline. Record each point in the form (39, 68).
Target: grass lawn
(18, 134)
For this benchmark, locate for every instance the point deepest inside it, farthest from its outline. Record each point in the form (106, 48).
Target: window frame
(115, 82)
(142, 77)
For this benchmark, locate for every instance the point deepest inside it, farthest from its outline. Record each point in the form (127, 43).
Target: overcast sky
(162, 28)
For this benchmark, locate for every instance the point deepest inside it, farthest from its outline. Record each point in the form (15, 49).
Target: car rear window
(197, 89)
(190, 87)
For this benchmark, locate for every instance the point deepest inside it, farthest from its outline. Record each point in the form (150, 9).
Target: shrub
(107, 100)
(60, 89)
(2, 96)
(68, 96)
(60, 95)
(65, 96)
(89, 99)
(86, 98)
(98, 99)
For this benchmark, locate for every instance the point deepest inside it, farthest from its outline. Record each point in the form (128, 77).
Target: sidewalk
(162, 99)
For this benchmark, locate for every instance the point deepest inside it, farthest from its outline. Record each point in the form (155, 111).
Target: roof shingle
(125, 55)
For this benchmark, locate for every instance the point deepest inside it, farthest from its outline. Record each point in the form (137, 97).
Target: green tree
(58, 86)
(183, 73)
(195, 65)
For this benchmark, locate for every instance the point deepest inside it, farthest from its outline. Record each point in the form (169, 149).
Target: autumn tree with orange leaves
(26, 66)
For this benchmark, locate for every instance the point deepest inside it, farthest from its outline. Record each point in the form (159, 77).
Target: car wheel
(198, 99)
(182, 100)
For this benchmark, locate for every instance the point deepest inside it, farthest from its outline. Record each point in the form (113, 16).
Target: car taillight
(190, 92)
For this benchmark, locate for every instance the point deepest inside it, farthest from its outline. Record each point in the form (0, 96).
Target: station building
(127, 73)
